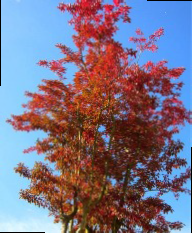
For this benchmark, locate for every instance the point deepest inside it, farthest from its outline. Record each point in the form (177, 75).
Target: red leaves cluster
(109, 133)
(117, 2)
(55, 66)
(143, 43)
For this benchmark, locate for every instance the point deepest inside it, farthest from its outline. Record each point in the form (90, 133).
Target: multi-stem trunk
(116, 222)
(71, 226)
(64, 227)
(83, 226)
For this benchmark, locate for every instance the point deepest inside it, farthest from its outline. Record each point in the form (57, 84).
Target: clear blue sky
(30, 29)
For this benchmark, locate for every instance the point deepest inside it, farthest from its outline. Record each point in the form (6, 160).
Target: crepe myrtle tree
(109, 133)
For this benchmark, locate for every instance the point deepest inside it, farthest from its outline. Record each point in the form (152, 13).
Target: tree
(110, 133)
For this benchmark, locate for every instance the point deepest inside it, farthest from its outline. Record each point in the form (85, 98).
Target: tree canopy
(110, 152)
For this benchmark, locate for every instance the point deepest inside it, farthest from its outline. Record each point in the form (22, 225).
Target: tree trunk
(64, 227)
(116, 225)
(71, 226)
(83, 226)
(83, 231)
(89, 229)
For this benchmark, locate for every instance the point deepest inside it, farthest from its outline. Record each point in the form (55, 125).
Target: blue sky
(30, 29)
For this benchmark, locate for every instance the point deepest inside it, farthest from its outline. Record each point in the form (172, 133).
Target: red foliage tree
(109, 133)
